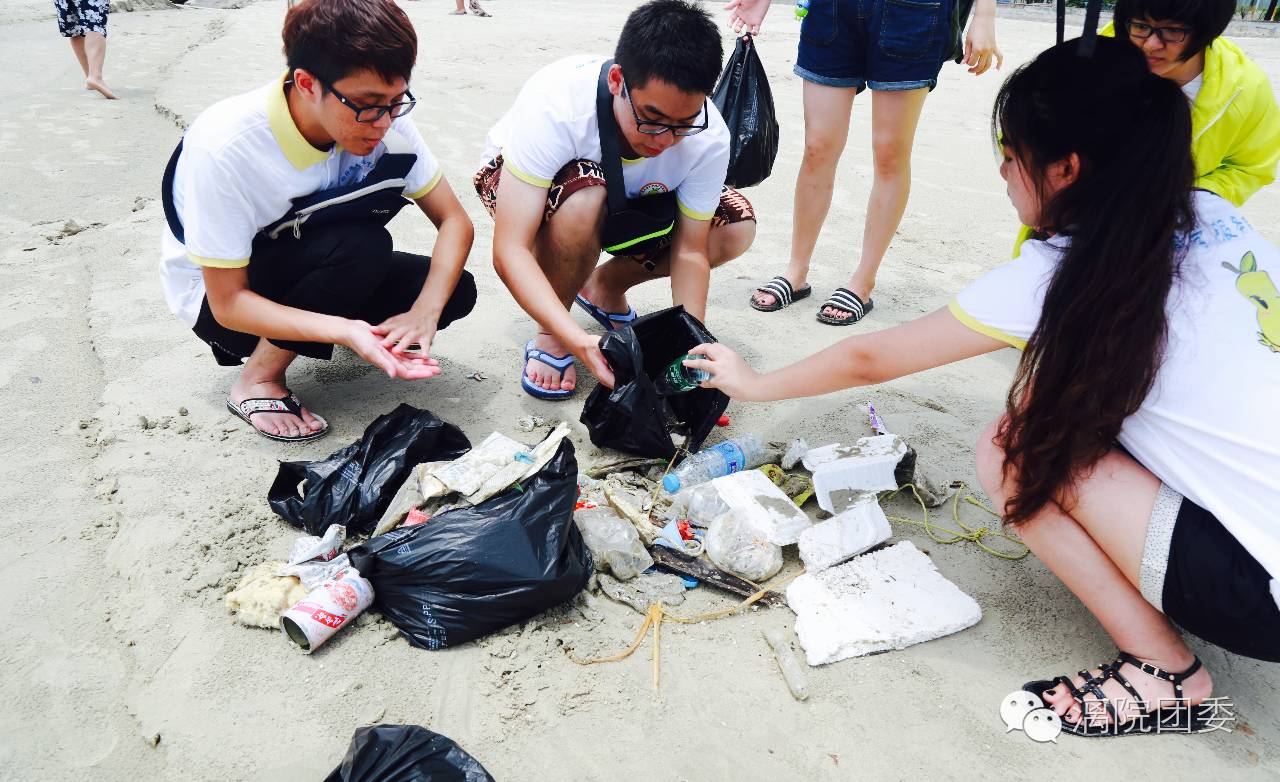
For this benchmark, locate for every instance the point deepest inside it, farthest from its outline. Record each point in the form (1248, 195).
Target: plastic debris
(325, 548)
(840, 472)
(722, 420)
(327, 609)
(785, 656)
(644, 590)
(749, 495)
(795, 452)
(740, 547)
(615, 545)
(888, 599)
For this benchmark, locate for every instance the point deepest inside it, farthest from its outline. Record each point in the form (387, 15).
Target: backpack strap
(610, 152)
(166, 195)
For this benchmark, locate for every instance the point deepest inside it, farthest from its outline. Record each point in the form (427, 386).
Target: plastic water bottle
(677, 378)
(736, 455)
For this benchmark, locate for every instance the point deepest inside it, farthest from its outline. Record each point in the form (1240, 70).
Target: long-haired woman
(1139, 452)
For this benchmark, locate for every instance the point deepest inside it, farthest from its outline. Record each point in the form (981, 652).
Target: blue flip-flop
(606, 319)
(559, 363)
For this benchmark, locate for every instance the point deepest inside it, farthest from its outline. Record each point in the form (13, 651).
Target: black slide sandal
(783, 294)
(845, 301)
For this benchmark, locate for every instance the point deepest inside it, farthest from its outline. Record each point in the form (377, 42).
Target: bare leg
(95, 48)
(77, 46)
(894, 116)
(459, 9)
(608, 285)
(826, 129)
(567, 249)
(263, 376)
(1094, 544)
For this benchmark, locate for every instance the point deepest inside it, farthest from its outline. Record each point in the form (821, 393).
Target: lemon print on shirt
(1257, 287)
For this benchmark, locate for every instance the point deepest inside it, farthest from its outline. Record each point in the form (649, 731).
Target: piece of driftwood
(601, 470)
(699, 568)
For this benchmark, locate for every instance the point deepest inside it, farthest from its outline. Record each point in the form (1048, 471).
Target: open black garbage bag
(746, 103)
(632, 417)
(406, 753)
(469, 572)
(355, 485)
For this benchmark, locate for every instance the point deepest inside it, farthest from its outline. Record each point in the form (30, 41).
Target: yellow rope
(974, 535)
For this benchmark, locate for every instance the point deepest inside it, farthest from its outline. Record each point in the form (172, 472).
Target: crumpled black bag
(632, 417)
(406, 753)
(469, 572)
(745, 101)
(355, 485)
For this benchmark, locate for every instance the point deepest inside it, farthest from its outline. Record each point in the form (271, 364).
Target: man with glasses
(277, 203)
(544, 182)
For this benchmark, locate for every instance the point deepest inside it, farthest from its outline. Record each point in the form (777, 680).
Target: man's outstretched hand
(368, 343)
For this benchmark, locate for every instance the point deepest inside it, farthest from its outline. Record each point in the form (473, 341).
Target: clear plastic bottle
(677, 378)
(736, 455)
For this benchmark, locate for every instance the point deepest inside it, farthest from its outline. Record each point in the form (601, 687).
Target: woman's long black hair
(1098, 345)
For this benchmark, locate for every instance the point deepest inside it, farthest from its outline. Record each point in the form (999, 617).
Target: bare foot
(547, 377)
(1155, 692)
(278, 424)
(610, 302)
(101, 86)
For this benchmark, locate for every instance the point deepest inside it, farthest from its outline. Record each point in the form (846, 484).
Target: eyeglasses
(367, 114)
(651, 128)
(1165, 34)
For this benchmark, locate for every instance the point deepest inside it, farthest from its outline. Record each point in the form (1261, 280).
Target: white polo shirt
(243, 162)
(553, 122)
(1209, 428)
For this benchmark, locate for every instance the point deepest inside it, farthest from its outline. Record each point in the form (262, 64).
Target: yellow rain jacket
(1235, 126)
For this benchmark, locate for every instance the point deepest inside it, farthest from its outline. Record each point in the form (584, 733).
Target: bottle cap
(671, 482)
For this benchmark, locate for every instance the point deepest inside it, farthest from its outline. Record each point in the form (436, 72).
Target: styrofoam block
(876, 445)
(837, 484)
(845, 535)
(889, 599)
(754, 497)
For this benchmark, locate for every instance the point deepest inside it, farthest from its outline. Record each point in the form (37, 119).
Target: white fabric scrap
(889, 599)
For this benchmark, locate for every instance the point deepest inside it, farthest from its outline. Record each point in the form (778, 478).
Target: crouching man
(277, 203)
(627, 156)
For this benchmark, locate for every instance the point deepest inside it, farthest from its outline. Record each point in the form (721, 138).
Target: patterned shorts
(77, 17)
(578, 174)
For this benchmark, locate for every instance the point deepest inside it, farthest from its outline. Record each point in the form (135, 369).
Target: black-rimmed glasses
(651, 128)
(367, 114)
(1165, 34)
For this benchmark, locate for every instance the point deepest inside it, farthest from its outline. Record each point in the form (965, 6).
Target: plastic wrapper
(736, 545)
(323, 548)
(406, 753)
(746, 103)
(632, 417)
(471, 571)
(354, 486)
(615, 545)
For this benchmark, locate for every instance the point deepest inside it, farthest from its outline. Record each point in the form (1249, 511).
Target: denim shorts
(881, 44)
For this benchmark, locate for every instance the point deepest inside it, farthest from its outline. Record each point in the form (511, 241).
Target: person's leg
(567, 249)
(1093, 541)
(95, 49)
(894, 117)
(263, 377)
(77, 46)
(826, 129)
(459, 9)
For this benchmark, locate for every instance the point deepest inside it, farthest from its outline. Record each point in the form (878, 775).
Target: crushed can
(327, 609)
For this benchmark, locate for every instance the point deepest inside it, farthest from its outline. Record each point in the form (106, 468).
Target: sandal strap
(285, 404)
(555, 362)
(1113, 671)
(780, 288)
(847, 300)
(1175, 679)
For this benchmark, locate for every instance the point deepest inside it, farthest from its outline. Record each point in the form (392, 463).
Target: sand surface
(119, 660)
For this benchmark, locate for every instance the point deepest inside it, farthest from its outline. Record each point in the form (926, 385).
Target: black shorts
(1210, 585)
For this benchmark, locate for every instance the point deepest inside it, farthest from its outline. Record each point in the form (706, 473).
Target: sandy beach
(132, 501)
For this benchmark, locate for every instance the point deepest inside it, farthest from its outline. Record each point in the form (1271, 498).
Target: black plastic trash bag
(469, 572)
(406, 753)
(355, 485)
(746, 103)
(632, 417)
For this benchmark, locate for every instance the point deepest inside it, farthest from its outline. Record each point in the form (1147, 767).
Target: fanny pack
(632, 226)
(377, 197)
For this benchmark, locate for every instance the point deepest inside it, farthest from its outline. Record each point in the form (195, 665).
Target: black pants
(344, 269)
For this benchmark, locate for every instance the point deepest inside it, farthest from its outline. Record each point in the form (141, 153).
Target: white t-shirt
(243, 162)
(553, 122)
(1210, 427)
(1192, 88)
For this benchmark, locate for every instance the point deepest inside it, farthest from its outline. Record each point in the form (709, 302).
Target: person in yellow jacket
(1235, 122)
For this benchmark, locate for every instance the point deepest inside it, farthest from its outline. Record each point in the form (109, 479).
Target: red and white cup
(330, 607)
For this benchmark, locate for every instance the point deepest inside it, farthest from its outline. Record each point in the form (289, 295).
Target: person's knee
(581, 211)
(891, 155)
(463, 300)
(989, 464)
(732, 240)
(822, 148)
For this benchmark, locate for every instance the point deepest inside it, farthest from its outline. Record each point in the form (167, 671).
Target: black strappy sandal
(1180, 717)
(845, 302)
(783, 294)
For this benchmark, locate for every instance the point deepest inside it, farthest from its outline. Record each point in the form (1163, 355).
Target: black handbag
(632, 226)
